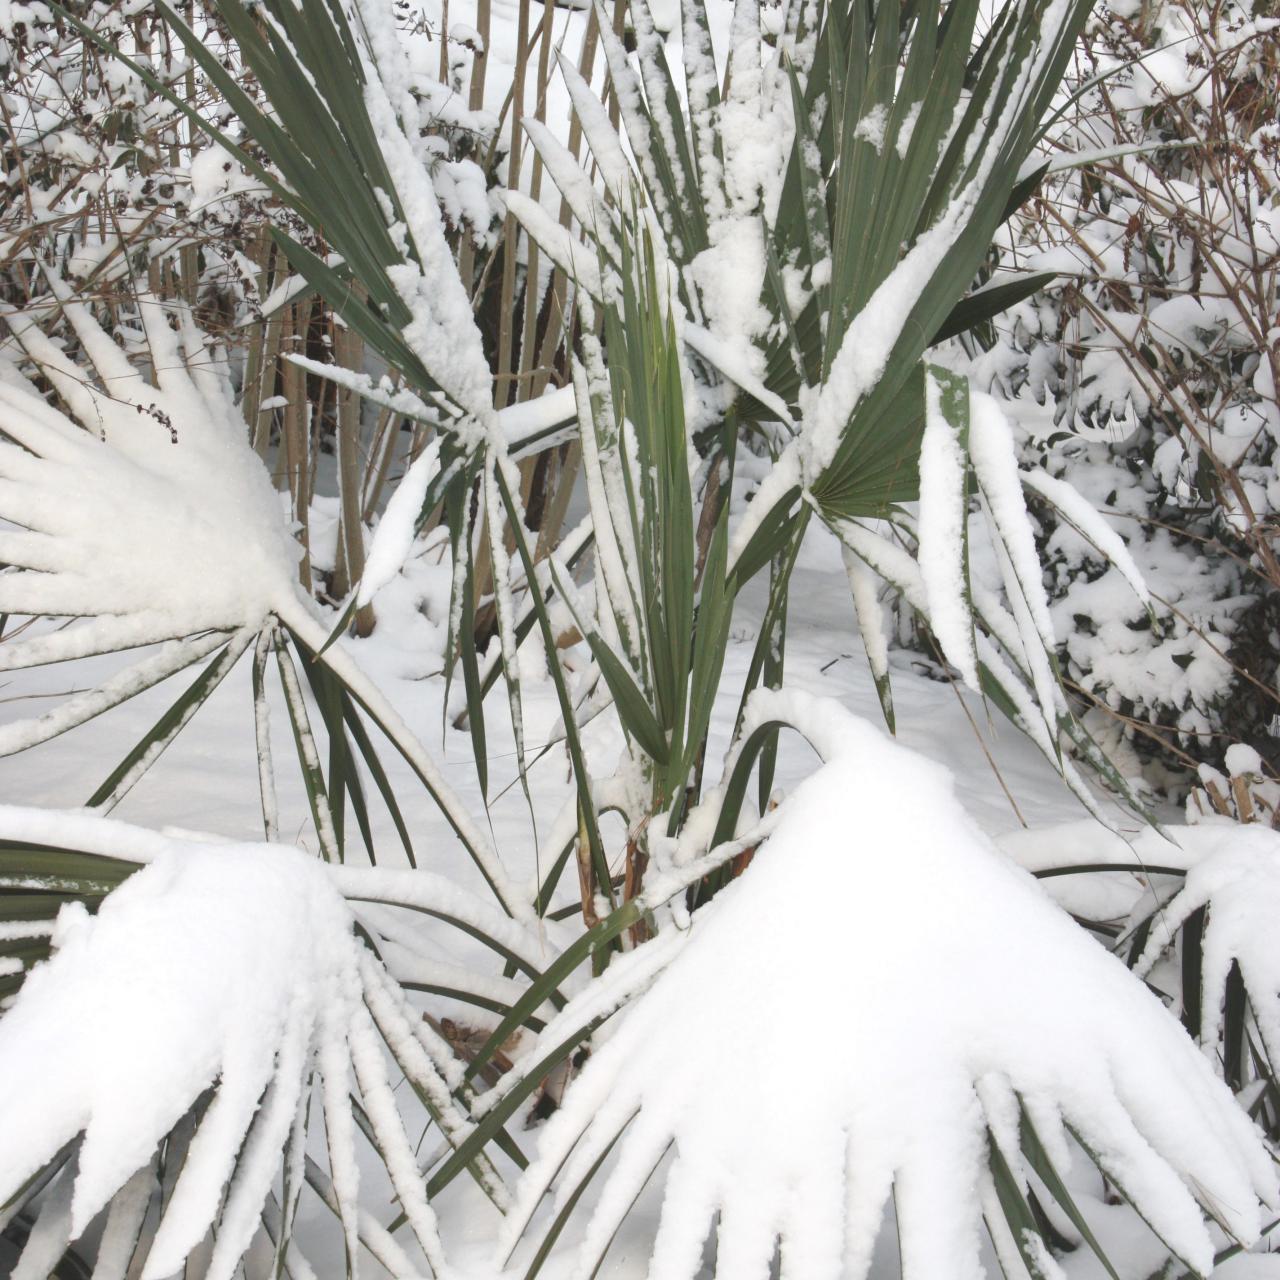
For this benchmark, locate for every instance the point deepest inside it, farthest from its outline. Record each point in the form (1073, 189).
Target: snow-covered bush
(1156, 356)
(103, 175)
(760, 272)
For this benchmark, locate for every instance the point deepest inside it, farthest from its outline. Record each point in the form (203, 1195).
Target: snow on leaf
(150, 516)
(394, 537)
(210, 989)
(870, 618)
(1237, 878)
(996, 985)
(443, 331)
(995, 465)
(1076, 509)
(943, 519)
(602, 138)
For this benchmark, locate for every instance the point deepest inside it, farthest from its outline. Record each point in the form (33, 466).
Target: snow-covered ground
(207, 781)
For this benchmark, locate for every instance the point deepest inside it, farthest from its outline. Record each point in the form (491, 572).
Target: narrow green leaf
(1017, 1212)
(1038, 1160)
(1193, 972)
(370, 757)
(990, 302)
(156, 740)
(637, 717)
(308, 756)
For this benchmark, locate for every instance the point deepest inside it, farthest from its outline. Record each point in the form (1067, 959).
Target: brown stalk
(348, 353)
(297, 413)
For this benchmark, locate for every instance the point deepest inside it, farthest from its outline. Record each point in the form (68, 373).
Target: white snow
(393, 539)
(871, 127)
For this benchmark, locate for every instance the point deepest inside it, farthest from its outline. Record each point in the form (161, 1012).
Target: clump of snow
(1242, 761)
(728, 276)
(870, 128)
(925, 1043)
(394, 538)
(217, 178)
(907, 129)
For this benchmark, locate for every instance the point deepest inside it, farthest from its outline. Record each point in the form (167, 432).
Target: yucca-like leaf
(872, 150)
(337, 83)
(308, 757)
(870, 618)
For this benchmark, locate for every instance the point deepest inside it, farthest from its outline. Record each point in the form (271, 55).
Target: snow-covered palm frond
(1224, 914)
(142, 516)
(147, 515)
(961, 1019)
(175, 1044)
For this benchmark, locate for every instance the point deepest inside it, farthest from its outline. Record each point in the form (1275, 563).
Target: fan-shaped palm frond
(954, 1019)
(142, 516)
(148, 517)
(169, 1048)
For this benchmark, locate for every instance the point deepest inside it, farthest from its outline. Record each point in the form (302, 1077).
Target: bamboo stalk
(530, 361)
(348, 353)
(297, 413)
(466, 251)
(383, 446)
(262, 355)
(510, 228)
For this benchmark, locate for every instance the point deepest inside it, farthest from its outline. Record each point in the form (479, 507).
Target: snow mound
(854, 1016)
